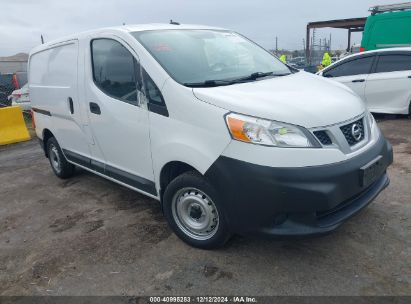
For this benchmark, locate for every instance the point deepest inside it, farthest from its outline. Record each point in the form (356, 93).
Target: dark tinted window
(152, 92)
(115, 70)
(350, 68)
(392, 63)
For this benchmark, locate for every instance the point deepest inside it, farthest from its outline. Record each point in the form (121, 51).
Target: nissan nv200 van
(225, 136)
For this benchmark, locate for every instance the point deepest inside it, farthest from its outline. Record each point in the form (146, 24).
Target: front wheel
(192, 209)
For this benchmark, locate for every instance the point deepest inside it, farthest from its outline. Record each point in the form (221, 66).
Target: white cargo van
(224, 135)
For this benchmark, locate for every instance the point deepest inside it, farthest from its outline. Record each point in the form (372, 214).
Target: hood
(302, 99)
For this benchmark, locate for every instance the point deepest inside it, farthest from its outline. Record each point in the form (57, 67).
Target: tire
(192, 209)
(61, 167)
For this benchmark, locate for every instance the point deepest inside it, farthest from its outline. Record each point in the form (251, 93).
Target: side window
(153, 94)
(393, 63)
(115, 70)
(351, 68)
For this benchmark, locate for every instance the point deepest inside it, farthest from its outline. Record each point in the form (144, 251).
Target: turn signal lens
(236, 127)
(249, 129)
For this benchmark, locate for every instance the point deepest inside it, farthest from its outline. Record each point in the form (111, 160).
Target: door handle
(71, 105)
(95, 108)
(358, 80)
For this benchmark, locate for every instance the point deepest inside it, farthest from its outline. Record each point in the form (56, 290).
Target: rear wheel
(61, 167)
(192, 209)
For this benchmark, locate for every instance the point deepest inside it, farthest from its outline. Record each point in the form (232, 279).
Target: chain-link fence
(6, 88)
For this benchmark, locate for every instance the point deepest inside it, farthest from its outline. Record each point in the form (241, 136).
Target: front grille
(353, 135)
(323, 137)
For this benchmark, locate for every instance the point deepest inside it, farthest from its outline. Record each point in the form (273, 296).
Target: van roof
(396, 49)
(390, 8)
(123, 28)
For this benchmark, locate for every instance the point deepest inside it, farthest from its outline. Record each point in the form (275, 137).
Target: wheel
(61, 167)
(192, 209)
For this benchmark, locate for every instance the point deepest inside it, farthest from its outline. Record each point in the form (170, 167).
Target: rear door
(119, 120)
(353, 73)
(54, 90)
(388, 89)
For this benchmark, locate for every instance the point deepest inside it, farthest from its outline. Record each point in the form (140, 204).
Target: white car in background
(355, 49)
(382, 78)
(21, 98)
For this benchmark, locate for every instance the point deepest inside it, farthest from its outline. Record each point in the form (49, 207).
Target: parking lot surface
(89, 236)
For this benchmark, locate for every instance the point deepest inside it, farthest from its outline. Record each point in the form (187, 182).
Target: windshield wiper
(283, 74)
(256, 75)
(222, 82)
(208, 83)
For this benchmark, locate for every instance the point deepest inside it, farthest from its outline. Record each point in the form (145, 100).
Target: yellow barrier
(12, 126)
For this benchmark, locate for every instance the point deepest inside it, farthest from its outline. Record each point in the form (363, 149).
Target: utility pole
(330, 42)
(276, 45)
(42, 39)
(312, 50)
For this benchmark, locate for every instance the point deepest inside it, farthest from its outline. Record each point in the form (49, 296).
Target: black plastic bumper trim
(261, 200)
(41, 111)
(354, 205)
(132, 180)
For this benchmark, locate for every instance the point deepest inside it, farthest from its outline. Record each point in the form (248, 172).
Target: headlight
(268, 133)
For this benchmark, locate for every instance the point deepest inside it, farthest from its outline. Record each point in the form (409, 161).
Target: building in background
(13, 64)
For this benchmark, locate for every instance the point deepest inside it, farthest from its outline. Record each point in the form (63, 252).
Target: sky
(23, 21)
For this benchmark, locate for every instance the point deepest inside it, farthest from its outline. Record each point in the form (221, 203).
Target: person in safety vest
(283, 58)
(326, 61)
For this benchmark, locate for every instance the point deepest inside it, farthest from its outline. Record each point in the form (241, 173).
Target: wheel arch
(47, 134)
(170, 171)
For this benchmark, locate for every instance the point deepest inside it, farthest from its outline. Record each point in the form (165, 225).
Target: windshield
(197, 56)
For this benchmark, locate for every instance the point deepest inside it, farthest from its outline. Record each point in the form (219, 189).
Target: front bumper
(296, 201)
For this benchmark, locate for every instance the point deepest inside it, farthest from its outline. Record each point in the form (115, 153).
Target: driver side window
(115, 70)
